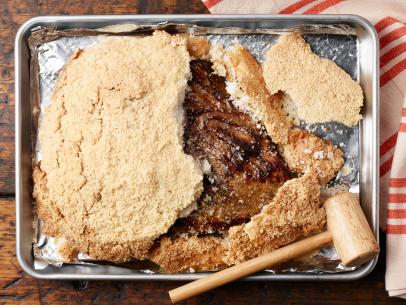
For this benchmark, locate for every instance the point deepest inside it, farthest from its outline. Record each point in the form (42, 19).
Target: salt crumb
(330, 155)
(206, 168)
(241, 101)
(320, 173)
(236, 41)
(346, 170)
(217, 56)
(318, 155)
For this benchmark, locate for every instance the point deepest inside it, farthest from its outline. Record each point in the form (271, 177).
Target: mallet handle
(228, 275)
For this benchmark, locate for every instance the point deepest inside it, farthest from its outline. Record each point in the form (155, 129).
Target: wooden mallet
(347, 228)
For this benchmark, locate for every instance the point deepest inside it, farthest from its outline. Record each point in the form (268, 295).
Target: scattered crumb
(319, 155)
(206, 167)
(330, 155)
(346, 170)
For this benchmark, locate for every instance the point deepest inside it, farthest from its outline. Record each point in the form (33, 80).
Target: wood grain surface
(16, 287)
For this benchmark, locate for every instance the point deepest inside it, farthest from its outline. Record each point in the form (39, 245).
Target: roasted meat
(242, 166)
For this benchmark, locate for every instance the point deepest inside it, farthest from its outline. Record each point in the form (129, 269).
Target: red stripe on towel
(392, 53)
(393, 72)
(397, 198)
(395, 34)
(396, 229)
(397, 182)
(384, 23)
(385, 167)
(397, 214)
(388, 144)
(322, 6)
(210, 3)
(295, 6)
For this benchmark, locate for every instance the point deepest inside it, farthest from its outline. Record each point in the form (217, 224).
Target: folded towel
(389, 18)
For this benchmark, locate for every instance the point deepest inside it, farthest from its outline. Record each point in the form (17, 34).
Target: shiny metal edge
(96, 20)
(25, 265)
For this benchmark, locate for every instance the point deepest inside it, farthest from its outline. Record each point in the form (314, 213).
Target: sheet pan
(367, 74)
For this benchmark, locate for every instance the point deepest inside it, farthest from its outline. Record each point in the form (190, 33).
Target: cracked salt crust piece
(248, 78)
(246, 73)
(295, 212)
(191, 253)
(322, 90)
(306, 151)
(112, 147)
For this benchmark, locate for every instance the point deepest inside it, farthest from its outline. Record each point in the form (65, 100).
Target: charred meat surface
(243, 169)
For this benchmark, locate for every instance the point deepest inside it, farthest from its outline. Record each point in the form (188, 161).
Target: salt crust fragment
(113, 175)
(322, 91)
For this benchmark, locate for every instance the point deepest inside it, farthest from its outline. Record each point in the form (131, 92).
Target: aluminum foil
(51, 49)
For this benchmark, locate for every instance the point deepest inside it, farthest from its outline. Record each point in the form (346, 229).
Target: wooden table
(17, 287)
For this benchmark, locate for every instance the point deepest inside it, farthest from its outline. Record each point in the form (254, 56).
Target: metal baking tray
(367, 43)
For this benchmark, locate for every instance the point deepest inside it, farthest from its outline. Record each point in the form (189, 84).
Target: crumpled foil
(51, 49)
